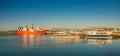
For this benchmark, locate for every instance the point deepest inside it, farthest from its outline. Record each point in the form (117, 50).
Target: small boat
(62, 33)
(30, 31)
(97, 34)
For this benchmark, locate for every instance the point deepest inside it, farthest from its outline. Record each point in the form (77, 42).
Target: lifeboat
(30, 31)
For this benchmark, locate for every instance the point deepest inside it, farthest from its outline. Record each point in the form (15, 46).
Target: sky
(59, 13)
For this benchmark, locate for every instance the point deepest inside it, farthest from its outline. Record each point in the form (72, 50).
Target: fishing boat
(30, 31)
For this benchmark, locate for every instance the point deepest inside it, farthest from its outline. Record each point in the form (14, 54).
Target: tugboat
(30, 31)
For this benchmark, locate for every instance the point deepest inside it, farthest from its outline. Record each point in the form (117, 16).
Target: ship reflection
(29, 41)
(68, 40)
(99, 42)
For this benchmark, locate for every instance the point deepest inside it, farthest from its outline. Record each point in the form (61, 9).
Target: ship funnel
(26, 25)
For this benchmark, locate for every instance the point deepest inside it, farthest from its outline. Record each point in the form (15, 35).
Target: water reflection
(29, 41)
(99, 42)
(68, 40)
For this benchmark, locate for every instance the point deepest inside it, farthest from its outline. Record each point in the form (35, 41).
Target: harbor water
(47, 45)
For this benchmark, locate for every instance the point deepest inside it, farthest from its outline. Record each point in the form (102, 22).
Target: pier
(116, 35)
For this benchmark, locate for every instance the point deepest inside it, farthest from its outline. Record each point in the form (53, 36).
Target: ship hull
(99, 36)
(30, 33)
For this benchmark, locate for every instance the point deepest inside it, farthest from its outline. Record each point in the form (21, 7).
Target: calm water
(13, 45)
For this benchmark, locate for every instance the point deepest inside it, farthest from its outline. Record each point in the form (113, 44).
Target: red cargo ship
(30, 31)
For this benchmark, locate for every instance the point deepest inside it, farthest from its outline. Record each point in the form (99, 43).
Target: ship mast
(32, 26)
